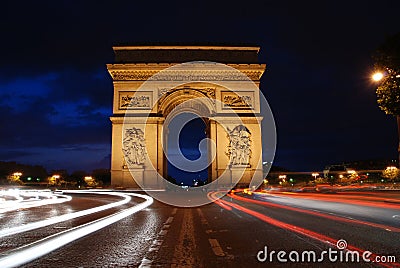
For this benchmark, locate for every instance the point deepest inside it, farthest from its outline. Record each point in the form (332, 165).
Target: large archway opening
(187, 137)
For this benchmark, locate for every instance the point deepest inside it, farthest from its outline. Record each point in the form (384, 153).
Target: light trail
(33, 201)
(329, 198)
(294, 228)
(349, 195)
(316, 213)
(44, 246)
(223, 205)
(69, 216)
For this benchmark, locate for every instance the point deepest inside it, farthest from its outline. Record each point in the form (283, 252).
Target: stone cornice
(201, 72)
(248, 48)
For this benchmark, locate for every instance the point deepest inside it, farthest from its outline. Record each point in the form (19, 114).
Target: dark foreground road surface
(232, 232)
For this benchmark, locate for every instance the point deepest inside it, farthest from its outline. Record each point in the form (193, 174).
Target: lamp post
(377, 77)
(282, 179)
(398, 131)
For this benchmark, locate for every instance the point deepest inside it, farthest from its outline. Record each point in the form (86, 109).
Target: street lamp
(14, 177)
(54, 179)
(282, 179)
(391, 173)
(377, 77)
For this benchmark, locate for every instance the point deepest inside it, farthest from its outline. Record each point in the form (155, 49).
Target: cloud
(79, 158)
(54, 109)
(9, 154)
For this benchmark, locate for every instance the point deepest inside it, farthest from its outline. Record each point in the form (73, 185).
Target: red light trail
(287, 226)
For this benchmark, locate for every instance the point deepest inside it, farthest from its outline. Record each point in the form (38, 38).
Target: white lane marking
(216, 248)
(396, 216)
(163, 232)
(174, 211)
(69, 216)
(145, 263)
(169, 220)
(185, 249)
(44, 246)
(202, 218)
(158, 242)
(155, 246)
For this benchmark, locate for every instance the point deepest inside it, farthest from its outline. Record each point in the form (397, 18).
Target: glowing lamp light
(350, 171)
(377, 76)
(391, 168)
(88, 178)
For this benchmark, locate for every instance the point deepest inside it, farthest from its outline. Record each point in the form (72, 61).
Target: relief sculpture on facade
(194, 75)
(130, 100)
(239, 145)
(134, 146)
(235, 101)
(207, 91)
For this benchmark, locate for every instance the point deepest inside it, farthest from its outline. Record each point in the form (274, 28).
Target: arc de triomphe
(153, 84)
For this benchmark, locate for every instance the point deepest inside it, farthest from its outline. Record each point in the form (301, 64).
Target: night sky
(56, 94)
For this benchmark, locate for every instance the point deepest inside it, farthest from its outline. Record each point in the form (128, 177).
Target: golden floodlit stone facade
(220, 95)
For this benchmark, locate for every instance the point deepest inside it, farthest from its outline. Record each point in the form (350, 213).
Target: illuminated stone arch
(210, 96)
(188, 99)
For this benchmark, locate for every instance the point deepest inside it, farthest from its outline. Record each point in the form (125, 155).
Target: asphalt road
(228, 233)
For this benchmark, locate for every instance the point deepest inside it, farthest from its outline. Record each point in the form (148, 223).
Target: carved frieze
(163, 91)
(133, 146)
(242, 100)
(239, 151)
(208, 91)
(130, 100)
(190, 75)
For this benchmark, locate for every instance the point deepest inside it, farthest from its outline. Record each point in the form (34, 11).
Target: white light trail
(69, 216)
(33, 201)
(44, 246)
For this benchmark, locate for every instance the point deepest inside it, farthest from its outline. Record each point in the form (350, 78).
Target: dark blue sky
(56, 94)
(193, 131)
